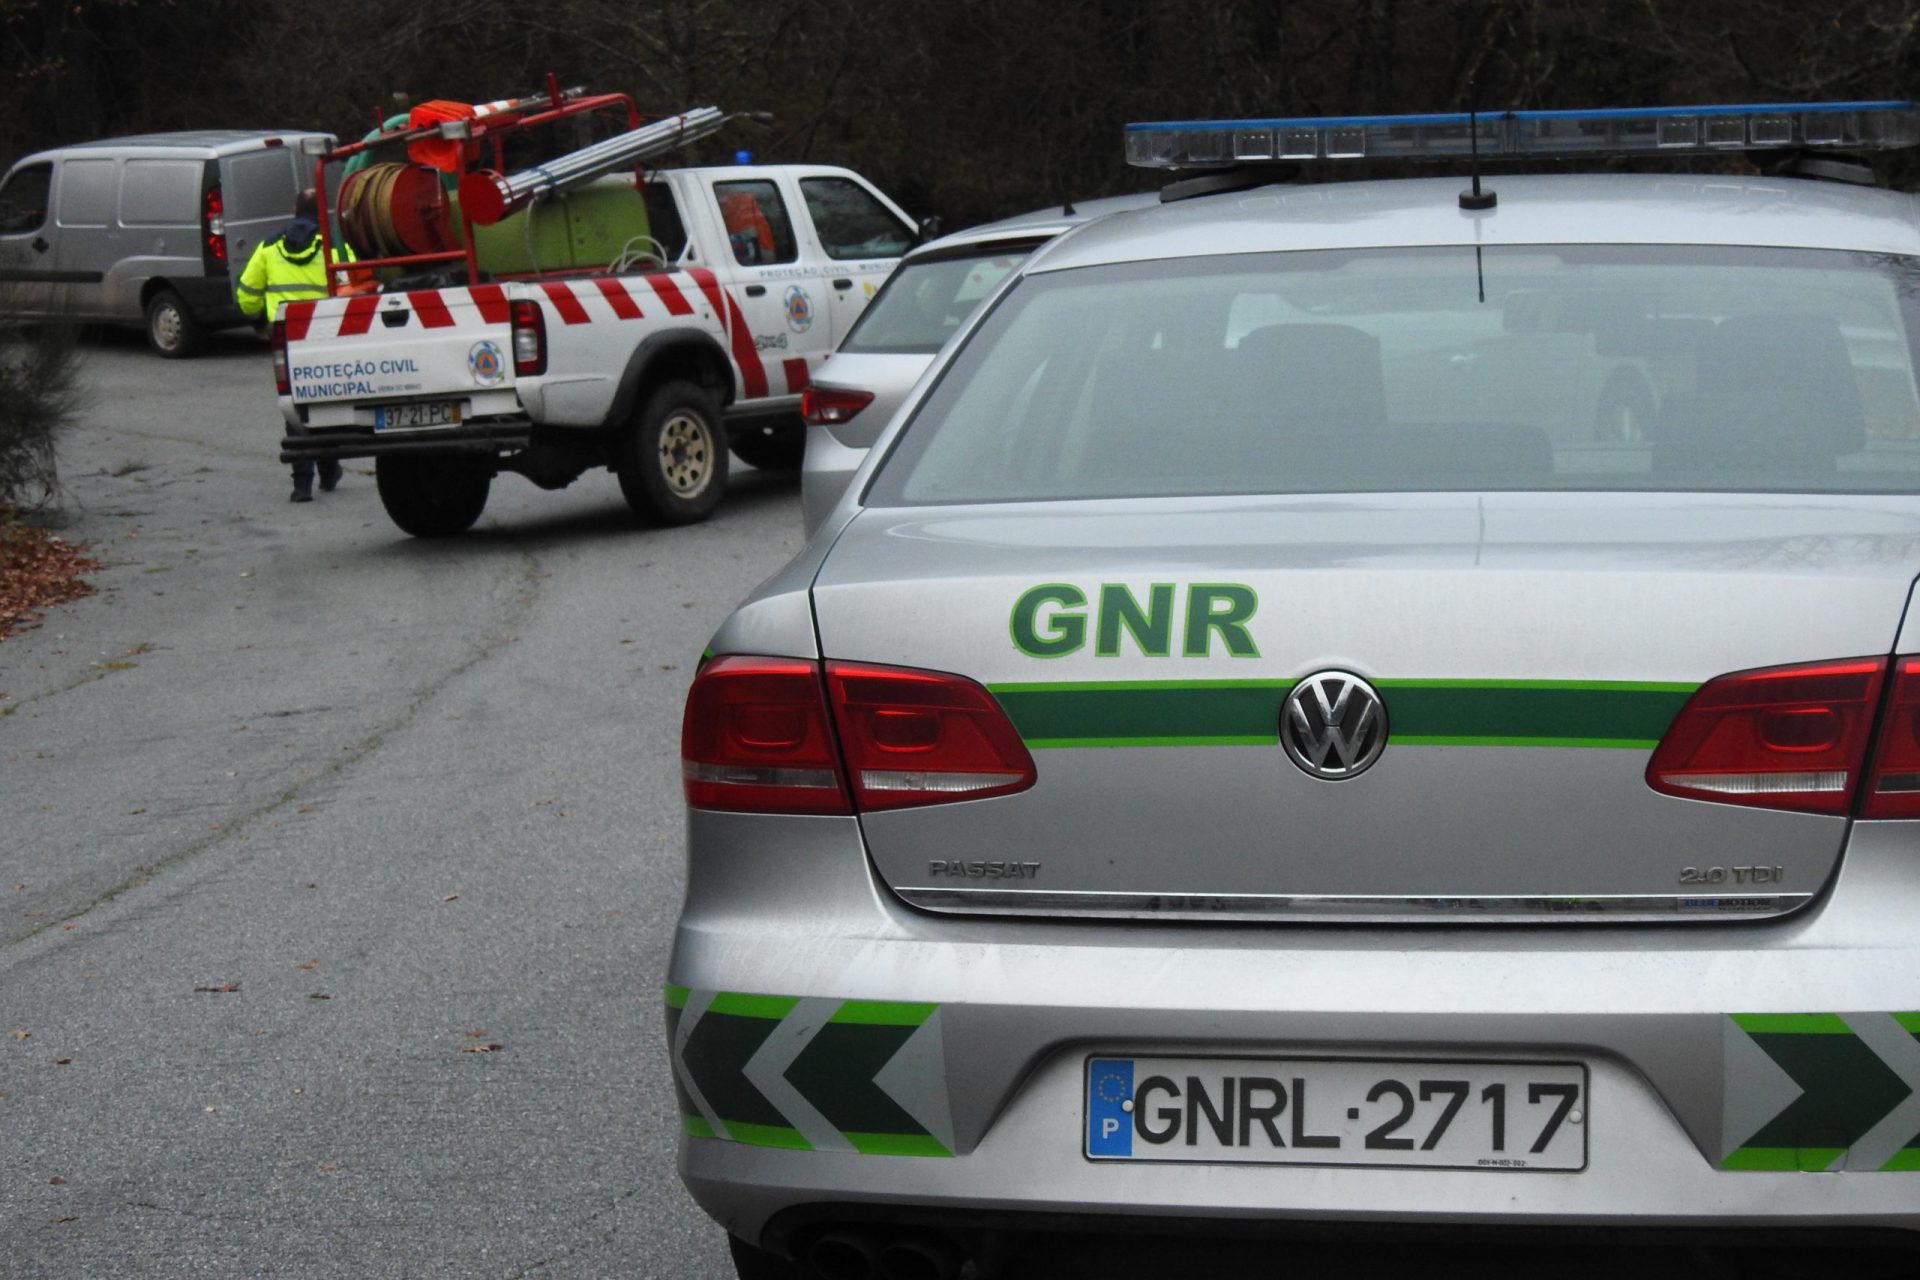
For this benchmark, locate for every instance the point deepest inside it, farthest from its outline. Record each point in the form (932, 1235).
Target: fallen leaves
(225, 988)
(22, 1035)
(481, 1048)
(37, 569)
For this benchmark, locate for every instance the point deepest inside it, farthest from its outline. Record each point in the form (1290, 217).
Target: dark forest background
(970, 109)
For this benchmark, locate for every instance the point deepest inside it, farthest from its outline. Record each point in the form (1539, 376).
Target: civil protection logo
(1333, 725)
(486, 363)
(799, 309)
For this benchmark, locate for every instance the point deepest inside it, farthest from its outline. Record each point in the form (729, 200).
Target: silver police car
(1259, 753)
(922, 304)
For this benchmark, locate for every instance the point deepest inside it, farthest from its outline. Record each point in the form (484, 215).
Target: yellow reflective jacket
(277, 273)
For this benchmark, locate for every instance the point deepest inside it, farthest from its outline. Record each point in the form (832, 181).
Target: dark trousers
(303, 473)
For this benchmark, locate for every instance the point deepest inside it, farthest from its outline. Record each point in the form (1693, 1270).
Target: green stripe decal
(768, 1135)
(744, 1006)
(1911, 1021)
(1501, 713)
(1146, 713)
(1782, 1159)
(896, 1144)
(696, 1127)
(676, 996)
(1792, 1024)
(882, 1013)
(1906, 1160)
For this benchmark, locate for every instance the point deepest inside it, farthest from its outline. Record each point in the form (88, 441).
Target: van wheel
(775, 446)
(671, 462)
(431, 497)
(172, 330)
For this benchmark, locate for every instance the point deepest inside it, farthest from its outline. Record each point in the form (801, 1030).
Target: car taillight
(829, 406)
(1777, 738)
(1893, 787)
(282, 381)
(529, 338)
(923, 737)
(759, 735)
(755, 737)
(214, 224)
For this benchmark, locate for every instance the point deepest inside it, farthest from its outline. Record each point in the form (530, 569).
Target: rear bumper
(336, 443)
(993, 1072)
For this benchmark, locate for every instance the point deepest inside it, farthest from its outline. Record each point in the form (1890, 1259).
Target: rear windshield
(1435, 369)
(925, 301)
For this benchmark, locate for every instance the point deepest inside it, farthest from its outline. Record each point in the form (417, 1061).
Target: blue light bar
(1837, 126)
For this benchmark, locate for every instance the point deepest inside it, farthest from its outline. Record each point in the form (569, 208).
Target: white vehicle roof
(1574, 209)
(196, 142)
(1047, 222)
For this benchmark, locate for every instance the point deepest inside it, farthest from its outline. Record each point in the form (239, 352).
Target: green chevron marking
(896, 1144)
(1905, 1160)
(1606, 714)
(835, 1071)
(1846, 1090)
(883, 1013)
(1911, 1021)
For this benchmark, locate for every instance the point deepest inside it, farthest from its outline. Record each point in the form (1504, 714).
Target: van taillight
(529, 338)
(1777, 738)
(282, 381)
(783, 735)
(829, 406)
(213, 220)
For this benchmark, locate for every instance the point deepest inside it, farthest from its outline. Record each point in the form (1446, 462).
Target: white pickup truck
(698, 336)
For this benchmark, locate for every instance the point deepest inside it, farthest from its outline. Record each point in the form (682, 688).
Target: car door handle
(843, 283)
(756, 291)
(39, 244)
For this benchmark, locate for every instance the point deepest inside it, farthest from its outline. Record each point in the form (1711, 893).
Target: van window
(757, 224)
(160, 193)
(663, 220)
(260, 184)
(86, 193)
(23, 199)
(851, 223)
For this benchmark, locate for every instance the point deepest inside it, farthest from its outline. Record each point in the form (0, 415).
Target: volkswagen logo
(1333, 725)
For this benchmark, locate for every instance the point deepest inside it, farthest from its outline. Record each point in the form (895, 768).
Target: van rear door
(257, 191)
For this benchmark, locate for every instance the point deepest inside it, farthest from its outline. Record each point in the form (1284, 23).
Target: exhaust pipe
(919, 1257)
(843, 1255)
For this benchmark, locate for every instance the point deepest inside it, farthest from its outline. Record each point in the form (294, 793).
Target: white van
(150, 231)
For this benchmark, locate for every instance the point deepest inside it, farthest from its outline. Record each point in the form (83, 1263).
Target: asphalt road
(338, 869)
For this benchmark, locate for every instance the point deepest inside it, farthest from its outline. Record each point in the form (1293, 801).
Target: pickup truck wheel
(777, 446)
(172, 330)
(672, 464)
(431, 497)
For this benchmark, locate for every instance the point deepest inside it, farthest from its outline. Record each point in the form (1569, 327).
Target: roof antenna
(1476, 200)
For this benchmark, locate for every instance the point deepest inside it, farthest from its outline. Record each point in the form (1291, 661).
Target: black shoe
(302, 495)
(329, 477)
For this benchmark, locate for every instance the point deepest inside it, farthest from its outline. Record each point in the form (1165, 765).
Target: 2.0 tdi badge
(1333, 725)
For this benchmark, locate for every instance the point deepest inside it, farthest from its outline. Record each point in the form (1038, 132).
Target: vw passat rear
(1336, 714)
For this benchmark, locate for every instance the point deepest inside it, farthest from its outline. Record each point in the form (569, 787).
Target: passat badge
(487, 365)
(1333, 725)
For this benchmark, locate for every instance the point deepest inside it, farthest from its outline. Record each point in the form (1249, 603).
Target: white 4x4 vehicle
(702, 335)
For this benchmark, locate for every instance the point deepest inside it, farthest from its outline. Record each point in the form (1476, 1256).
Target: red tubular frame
(558, 107)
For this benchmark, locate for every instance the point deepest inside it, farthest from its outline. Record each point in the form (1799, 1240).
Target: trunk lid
(1529, 649)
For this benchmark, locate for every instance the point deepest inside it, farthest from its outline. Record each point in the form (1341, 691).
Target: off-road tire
(672, 460)
(172, 330)
(432, 497)
(772, 446)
